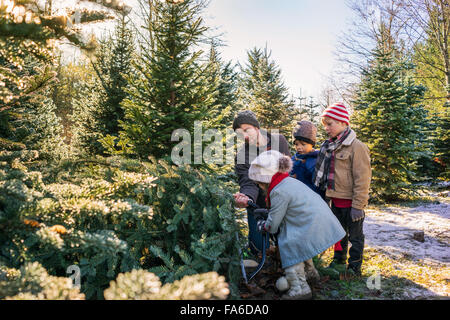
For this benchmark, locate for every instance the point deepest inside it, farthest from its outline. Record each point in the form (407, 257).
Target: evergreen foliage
(431, 75)
(96, 109)
(390, 119)
(143, 285)
(32, 282)
(70, 83)
(110, 216)
(172, 88)
(226, 77)
(262, 90)
(27, 28)
(442, 141)
(311, 110)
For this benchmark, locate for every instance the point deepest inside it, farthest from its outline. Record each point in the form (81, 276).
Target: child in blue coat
(306, 157)
(305, 224)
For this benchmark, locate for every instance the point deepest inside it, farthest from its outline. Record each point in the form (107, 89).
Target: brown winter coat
(352, 172)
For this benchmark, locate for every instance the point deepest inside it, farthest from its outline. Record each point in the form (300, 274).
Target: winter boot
(299, 288)
(338, 265)
(311, 273)
(353, 272)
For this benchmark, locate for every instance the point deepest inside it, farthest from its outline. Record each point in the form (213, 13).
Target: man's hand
(241, 200)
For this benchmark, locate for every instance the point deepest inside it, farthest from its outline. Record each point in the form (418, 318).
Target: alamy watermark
(75, 275)
(213, 147)
(374, 282)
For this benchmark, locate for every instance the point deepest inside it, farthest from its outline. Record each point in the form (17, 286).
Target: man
(257, 141)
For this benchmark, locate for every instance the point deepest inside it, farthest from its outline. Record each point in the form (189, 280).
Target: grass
(398, 278)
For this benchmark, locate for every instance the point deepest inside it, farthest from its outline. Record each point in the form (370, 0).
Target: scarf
(276, 179)
(324, 172)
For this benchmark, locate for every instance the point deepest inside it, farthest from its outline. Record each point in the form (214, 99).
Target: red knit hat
(337, 112)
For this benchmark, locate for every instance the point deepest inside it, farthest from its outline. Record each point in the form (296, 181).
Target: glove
(260, 225)
(356, 214)
(261, 213)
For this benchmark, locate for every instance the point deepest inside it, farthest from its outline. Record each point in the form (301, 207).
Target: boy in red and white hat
(343, 171)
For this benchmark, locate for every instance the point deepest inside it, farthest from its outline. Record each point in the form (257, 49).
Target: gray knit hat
(305, 131)
(245, 117)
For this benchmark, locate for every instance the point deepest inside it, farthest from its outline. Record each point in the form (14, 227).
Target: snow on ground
(390, 229)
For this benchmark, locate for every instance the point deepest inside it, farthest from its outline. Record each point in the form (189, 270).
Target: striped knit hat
(337, 112)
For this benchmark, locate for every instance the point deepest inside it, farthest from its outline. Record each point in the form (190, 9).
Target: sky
(301, 34)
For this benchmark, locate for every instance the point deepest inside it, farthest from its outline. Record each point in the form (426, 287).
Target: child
(305, 223)
(306, 157)
(343, 171)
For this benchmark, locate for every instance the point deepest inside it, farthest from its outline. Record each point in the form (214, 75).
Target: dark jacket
(248, 186)
(303, 168)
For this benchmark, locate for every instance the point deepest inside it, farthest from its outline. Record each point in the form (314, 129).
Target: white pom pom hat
(267, 164)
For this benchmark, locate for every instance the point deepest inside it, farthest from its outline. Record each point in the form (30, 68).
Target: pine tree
(42, 129)
(225, 75)
(71, 78)
(172, 87)
(427, 57)
(113, 65)
(311, 110)
(263, 91)
(28, 31)
(98, 110)
(31, 122)
(87, 111)
(28, 27)
(442, 141)
(389, 118)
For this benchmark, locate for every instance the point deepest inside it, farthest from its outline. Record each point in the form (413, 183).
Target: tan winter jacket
(352, 172)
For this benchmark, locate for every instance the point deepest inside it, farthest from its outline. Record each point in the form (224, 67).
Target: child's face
(303, 147)
(333, 127)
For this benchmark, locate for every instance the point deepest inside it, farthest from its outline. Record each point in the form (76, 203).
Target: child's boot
(311, 273)
(299, 288)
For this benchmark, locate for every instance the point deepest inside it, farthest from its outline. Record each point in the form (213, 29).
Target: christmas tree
(389, 118)
(225, 75)
(263, 91)
(172, 87)
(98, 110)
(442, 141)
(28, 31)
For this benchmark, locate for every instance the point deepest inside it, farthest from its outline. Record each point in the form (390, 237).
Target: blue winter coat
(307, 225)
(303, 168)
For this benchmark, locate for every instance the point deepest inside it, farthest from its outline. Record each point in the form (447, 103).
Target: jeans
(355, 235)
(255, 238)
